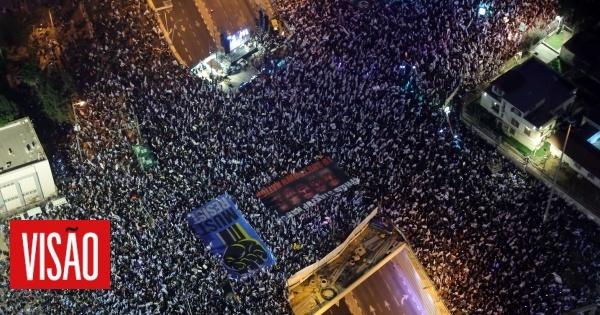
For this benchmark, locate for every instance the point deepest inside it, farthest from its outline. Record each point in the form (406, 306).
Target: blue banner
(222, 227)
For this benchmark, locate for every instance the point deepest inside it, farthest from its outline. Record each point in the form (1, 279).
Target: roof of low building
(594, 115)
(586, 46)
(535, 89)
(579, 149)
(19, 145)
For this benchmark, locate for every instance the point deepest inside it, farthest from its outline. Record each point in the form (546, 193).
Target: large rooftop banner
(224, 230)
(301, 190)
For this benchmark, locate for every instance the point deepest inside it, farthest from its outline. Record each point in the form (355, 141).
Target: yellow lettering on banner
(269, 190)
(292, 177)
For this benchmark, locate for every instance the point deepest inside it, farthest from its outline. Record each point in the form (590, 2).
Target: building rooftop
(535, 89)
(586, 46)
(19, 145)
(579, 148)
(593, 115)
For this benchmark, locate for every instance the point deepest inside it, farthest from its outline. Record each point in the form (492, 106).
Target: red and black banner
(303, 189)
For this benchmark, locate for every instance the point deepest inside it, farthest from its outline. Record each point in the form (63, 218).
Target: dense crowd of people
(362, 84)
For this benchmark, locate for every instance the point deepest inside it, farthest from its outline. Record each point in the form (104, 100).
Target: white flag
(557, 278)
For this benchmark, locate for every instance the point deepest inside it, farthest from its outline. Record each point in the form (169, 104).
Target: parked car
(56, 205)
(238, 66)
(234, 69)
(246, 85)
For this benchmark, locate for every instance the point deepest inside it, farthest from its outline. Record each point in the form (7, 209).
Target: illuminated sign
(238, 39)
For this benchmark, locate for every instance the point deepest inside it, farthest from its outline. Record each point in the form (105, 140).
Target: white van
(34, 213)
(56, 204)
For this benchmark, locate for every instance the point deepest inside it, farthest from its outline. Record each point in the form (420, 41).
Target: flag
(557, 278)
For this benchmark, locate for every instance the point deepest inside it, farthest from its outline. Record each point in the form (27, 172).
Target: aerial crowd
(361, 83)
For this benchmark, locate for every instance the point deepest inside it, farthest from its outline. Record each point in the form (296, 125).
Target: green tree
(8, 111)
(54, 91)
(31, 73)
(531, 38)
(54, 98)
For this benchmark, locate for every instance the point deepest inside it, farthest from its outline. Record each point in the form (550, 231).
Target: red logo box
(60, 254)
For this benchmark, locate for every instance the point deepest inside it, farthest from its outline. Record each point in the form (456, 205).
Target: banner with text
(224, 230)
(301, 190)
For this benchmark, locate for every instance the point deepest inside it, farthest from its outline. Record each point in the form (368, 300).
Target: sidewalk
(570, 185)
(576, 190)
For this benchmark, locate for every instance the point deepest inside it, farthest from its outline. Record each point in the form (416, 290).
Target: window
(496, 108)
(577, 165)
(512, 131)
(516, 111)
(591, 176)
(527, 132)
(514, 122)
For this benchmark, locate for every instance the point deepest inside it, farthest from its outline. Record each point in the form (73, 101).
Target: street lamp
(571, 121)
(214, 33)
(77, 127)
(446, 109)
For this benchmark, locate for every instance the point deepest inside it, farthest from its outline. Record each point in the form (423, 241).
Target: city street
(386, 292)
(231, 16)
(192, 38)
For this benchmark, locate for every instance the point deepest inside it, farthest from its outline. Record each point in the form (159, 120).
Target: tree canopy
(53, 91)
(54, 94)
(8, 111)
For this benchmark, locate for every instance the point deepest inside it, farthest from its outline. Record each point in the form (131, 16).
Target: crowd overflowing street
(363, 85)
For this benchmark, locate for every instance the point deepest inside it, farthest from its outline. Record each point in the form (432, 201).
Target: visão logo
(60, 254)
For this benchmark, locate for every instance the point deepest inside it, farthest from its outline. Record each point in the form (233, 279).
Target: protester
(362, 84)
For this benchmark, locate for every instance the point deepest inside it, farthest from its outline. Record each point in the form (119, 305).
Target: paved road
(192, 38)
(384, 293)
(341, 309)
(231, 15)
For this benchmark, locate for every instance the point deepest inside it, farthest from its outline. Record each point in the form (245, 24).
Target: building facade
(582, 153)
(527, 100)
(25, 175)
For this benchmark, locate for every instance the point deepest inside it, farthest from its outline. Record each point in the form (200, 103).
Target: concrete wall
(575, 166)
(25, 186)
(567, 55)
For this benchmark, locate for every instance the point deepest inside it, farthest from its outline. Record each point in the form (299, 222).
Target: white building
(526, 101)
(25, 175)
